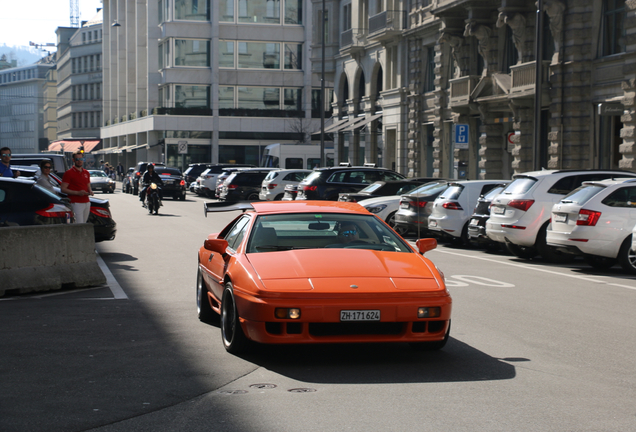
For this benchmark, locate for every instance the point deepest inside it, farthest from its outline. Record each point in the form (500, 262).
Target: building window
(257, 55)
(226, 11)
(293, 56)
(226, 54)
(192, 52)
(429, 80)
(226, 97)
(613, 27)
(259, 11)
(292, 99)
(187, 96)
(346, 17)
(195, 10)
(258, 98)
(98, 62)
(293, 11)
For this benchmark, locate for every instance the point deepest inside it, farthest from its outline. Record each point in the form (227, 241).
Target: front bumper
(320, 323)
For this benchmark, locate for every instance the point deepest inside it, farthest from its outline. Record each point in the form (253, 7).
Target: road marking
(113, 285)
(530, 267)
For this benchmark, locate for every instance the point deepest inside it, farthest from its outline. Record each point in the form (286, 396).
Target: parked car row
(555, 214)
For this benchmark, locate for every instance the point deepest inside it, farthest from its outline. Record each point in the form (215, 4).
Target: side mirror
(426, 244)
(215, 245)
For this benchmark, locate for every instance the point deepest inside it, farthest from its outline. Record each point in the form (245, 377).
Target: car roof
(610, 182)
(544, 173)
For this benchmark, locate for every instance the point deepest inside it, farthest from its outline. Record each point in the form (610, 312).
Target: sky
(22, 21)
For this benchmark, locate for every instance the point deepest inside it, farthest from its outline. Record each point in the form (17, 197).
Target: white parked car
(207, 179)
(519, 216)
(453, 208)
(385, 208)
(596, 220)
(273, 187)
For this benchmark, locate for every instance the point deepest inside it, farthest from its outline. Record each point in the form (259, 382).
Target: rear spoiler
(222, 206)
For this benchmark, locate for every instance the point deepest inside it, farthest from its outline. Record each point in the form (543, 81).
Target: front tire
(204, 310)
(627, 256)
(234, 340)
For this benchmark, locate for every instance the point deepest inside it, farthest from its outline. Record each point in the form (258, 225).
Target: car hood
(99, 180)
(344, 270)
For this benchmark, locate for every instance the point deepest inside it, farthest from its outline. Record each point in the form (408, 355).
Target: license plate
(169, 181)
(432, 223)
(560, 217)
(404, 205)
(498, 210)
(474, 222)
(360, 315)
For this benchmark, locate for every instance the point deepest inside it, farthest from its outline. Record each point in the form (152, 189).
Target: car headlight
(376, 209)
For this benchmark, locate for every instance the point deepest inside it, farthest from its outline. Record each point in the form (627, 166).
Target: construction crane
(75, 15)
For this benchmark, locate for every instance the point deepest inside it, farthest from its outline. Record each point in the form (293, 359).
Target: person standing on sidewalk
(76, 183)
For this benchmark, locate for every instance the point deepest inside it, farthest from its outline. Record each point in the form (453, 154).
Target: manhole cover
(301, 390)
(263, 386)
(233, 391)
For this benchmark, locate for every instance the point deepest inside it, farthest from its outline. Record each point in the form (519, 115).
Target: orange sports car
(319, 272)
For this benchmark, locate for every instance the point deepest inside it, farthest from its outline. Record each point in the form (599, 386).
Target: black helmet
(150, 165)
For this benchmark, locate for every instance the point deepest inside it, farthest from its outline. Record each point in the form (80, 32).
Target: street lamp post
(322, 88)
(538, 86)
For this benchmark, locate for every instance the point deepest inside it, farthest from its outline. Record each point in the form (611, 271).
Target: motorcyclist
(150, 176)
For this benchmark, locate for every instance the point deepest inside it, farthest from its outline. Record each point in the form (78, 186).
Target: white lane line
(113, 285)
(530, 267)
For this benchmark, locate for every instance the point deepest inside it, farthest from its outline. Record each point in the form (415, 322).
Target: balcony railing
(387, 21)
(461, 89)
(524, 76)
(352, 38)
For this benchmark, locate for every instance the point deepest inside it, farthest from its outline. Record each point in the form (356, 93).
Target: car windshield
(323, 230)
(98, 174)
(372, 187)
(430, 188)
(452, 192)
(520, 185)
(493, 193)
(582, 194)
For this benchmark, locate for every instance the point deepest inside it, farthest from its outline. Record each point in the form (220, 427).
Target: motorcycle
(153, 200)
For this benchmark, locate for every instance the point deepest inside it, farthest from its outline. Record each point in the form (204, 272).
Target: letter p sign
(461, 136)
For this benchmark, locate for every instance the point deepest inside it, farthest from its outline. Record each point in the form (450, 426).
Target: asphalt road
(534, 347)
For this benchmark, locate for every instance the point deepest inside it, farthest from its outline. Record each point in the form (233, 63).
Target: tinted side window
(339, 177)
(565, 185)
(371, 177)
(387, 175)
(294, 163)
(623, 197)
(237, 232)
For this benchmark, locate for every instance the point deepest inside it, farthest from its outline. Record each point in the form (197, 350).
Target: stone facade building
(472, 63)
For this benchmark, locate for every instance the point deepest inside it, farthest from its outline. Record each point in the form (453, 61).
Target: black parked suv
(173, 182)
(244, 185)
(193, 171)
(139, 171)
(328, 183)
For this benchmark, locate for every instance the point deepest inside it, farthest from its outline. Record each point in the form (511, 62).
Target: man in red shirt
(76, 183)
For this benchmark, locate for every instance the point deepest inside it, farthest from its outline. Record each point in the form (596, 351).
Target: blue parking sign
(461, 136)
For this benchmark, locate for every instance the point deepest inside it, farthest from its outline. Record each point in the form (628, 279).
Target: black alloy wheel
(627, 256)
(234, 340)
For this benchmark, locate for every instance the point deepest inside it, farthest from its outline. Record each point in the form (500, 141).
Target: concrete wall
(46, 257)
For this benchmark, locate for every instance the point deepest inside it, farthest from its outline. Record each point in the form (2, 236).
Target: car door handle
(210, 258)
